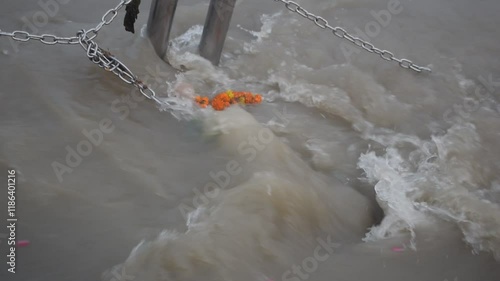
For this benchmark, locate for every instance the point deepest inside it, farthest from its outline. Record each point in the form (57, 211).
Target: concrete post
(160, 21)
(215, 30)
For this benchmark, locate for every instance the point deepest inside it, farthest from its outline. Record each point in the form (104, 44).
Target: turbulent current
(352, 168)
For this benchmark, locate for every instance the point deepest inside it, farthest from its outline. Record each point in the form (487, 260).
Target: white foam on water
(283, 200)
(410, 185)
(418, 182)
(437, 180)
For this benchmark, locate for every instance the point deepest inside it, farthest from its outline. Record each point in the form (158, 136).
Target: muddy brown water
(352, 169)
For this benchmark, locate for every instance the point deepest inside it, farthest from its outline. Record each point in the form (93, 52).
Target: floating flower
(202, 101)
(225, 99)
(257, 98)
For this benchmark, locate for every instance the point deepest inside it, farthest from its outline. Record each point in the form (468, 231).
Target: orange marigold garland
(225, 99)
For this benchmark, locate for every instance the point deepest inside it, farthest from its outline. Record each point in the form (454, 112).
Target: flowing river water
(351, 169)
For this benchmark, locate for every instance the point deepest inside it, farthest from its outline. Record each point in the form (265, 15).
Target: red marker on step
(398, 249)
(22, 243)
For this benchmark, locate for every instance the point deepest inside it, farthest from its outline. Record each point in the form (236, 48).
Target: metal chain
(108, 62)
(107, 18)
(50, 39)
(342, 33)
(102, 58)
(47, 39)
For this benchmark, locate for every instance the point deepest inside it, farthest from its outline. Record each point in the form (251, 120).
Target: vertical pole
(215, 30)
(160, 21)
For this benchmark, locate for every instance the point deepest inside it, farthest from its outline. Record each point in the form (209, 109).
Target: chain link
(102, 58)
(342, 33)
(47, 39)
(50, 39)
(108, 62)
(107, 18)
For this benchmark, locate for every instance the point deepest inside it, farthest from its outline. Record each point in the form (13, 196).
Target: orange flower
(225, 99)
(248, 97)
(237, 95)
(222, 100)
(218, 105)
(201, 101)
(258, 98)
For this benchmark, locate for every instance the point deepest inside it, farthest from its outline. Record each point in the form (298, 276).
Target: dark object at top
(131, 15)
